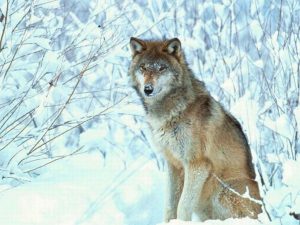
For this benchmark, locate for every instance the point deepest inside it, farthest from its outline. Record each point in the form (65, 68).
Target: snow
(216, 222)
(85, 189)
(74, 188)
(290, 173)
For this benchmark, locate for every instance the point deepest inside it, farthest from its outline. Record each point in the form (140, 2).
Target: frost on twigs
(54, 83)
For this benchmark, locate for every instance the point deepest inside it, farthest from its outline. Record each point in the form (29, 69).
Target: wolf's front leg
(174, 189)
(195, 175)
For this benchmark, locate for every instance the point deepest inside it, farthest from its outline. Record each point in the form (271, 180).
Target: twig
(99, 114)
(62, 157)
(23, 117)
(4, 26)
(60, 112)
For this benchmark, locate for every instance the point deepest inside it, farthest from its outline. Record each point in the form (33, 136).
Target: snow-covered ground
(84, 190)
(245, 221)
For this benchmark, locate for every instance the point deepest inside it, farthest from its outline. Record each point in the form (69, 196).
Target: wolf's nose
(148, 89)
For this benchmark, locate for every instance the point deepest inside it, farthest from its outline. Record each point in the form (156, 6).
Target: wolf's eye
(142, 67)
(162, 68)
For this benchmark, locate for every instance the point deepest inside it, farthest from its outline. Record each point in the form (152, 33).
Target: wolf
(209, 163)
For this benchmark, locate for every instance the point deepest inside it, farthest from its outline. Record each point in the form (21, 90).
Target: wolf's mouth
(152, 94)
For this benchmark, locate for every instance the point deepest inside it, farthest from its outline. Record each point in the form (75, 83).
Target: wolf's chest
(172, 138)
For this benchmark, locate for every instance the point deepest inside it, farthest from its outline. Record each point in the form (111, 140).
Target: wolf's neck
(171, 105)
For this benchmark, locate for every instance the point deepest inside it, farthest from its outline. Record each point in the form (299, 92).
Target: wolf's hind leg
(232, 198)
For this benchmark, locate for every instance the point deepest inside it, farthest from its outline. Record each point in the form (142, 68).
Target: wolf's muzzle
(148, 89)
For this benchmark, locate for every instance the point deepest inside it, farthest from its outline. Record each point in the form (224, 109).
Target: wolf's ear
(173, 47)
(137, 45)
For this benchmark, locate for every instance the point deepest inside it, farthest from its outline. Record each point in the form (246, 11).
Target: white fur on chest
(172, 139)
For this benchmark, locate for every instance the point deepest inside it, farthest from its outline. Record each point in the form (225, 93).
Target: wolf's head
(157, 67)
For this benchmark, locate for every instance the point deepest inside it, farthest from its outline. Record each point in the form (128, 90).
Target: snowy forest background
(74, 148)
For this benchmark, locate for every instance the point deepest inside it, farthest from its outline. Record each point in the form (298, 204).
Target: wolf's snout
(148, 89)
